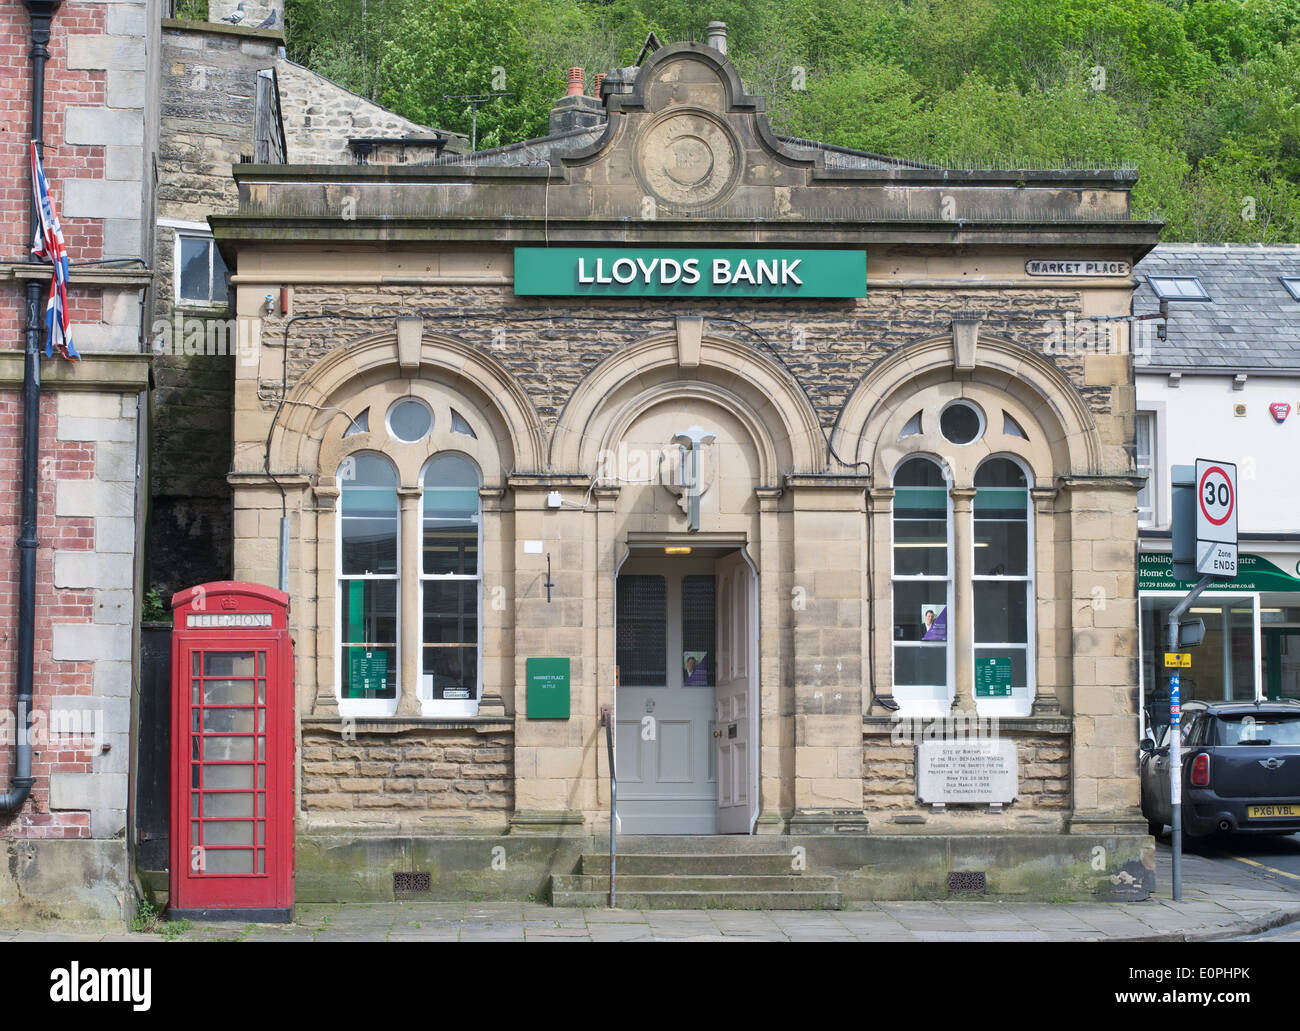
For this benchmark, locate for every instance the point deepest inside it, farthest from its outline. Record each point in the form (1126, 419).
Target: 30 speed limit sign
(1216, 518)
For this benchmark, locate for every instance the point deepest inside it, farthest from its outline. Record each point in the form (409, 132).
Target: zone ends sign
(689, 272)
(1216, 518)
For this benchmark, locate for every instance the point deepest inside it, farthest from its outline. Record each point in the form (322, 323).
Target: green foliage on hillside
(1202, 96)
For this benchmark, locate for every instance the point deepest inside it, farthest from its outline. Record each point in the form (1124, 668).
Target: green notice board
(548, 688)
(993, 677)
(367, 671)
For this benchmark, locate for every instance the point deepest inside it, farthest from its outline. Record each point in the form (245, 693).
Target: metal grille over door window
(699, 612)
(642, 630)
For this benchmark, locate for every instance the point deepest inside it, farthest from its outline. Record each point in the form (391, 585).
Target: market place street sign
(689, 272)
(1076, 267)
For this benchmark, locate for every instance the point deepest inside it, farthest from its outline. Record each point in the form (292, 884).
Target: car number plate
(1273, 812)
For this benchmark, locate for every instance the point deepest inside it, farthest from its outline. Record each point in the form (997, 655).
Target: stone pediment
(682, 143)
(687, 139)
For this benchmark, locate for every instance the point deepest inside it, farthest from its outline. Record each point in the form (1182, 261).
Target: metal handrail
(607, 718)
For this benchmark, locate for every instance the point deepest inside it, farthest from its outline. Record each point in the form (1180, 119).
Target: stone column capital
(961, 498)
(881, 500)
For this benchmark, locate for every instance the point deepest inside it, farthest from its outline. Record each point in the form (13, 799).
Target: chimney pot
(717, 35)
(600, 81)
(575, 83)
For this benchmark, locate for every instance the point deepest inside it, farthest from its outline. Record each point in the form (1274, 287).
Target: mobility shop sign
(1216, 518)
(688, 272)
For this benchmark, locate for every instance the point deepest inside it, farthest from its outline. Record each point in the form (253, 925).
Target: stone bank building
(788, 456)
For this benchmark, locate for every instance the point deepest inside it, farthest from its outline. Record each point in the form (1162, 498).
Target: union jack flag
(49, 245)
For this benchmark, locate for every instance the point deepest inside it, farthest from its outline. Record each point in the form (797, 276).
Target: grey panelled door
(667, 659)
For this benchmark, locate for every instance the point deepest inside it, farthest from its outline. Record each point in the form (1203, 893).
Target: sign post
(1210, 490)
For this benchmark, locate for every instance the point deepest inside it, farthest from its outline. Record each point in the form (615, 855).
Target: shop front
(1252, 631)
(780, 453)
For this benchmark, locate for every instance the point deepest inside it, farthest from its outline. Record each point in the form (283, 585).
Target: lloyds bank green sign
(689, 272)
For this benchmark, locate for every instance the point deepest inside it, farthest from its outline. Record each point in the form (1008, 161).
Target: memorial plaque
(967, 771)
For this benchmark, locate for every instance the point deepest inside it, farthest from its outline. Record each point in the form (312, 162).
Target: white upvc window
(1145, 462)
(451, 586)
(368, 611)
(200, 274)
(1003, 587)
(922, 589)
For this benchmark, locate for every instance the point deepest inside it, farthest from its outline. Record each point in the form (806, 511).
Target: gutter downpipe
(42, 15)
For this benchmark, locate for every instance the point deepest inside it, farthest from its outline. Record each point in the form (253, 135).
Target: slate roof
(1250, 321)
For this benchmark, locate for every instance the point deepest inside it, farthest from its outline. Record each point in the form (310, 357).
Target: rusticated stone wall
(828, 345)
(889, 782)
(462, 773)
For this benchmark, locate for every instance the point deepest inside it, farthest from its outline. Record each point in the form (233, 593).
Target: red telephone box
(232, 753)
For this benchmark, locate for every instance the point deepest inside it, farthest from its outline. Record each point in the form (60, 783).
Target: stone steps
(689, 882)
(694, 880)
(772, 864)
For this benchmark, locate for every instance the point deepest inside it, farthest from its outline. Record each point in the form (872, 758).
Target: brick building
(806, 522)
(66, 850)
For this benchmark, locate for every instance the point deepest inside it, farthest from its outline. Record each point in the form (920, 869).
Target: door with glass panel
(232, 808)
(667, 658)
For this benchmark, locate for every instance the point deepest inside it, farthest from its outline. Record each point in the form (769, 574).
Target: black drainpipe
(42, 14)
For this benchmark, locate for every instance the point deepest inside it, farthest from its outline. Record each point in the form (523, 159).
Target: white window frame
(1149, 469)
(1012, 706)
(180, 233)
(1158, 485)
(450, 706)
(914, 707)
(1163, 293)
(366, 707)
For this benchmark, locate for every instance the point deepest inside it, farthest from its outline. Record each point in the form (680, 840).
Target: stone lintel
(126, 373)
(828, 481)
(547, 481)
(299, 481)
(82, 275)
(1102, 482)
(398, 725)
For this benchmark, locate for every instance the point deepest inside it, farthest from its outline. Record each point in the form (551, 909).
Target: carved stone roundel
(687, 158)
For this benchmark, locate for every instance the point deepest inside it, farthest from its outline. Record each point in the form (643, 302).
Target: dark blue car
(1241, 769)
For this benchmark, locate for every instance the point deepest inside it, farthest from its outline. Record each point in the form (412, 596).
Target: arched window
(450, 584)
(368, 580)
(922, 588)
(1002, 571)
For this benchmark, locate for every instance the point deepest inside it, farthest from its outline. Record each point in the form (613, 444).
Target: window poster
(934, 622)
(695, 669)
